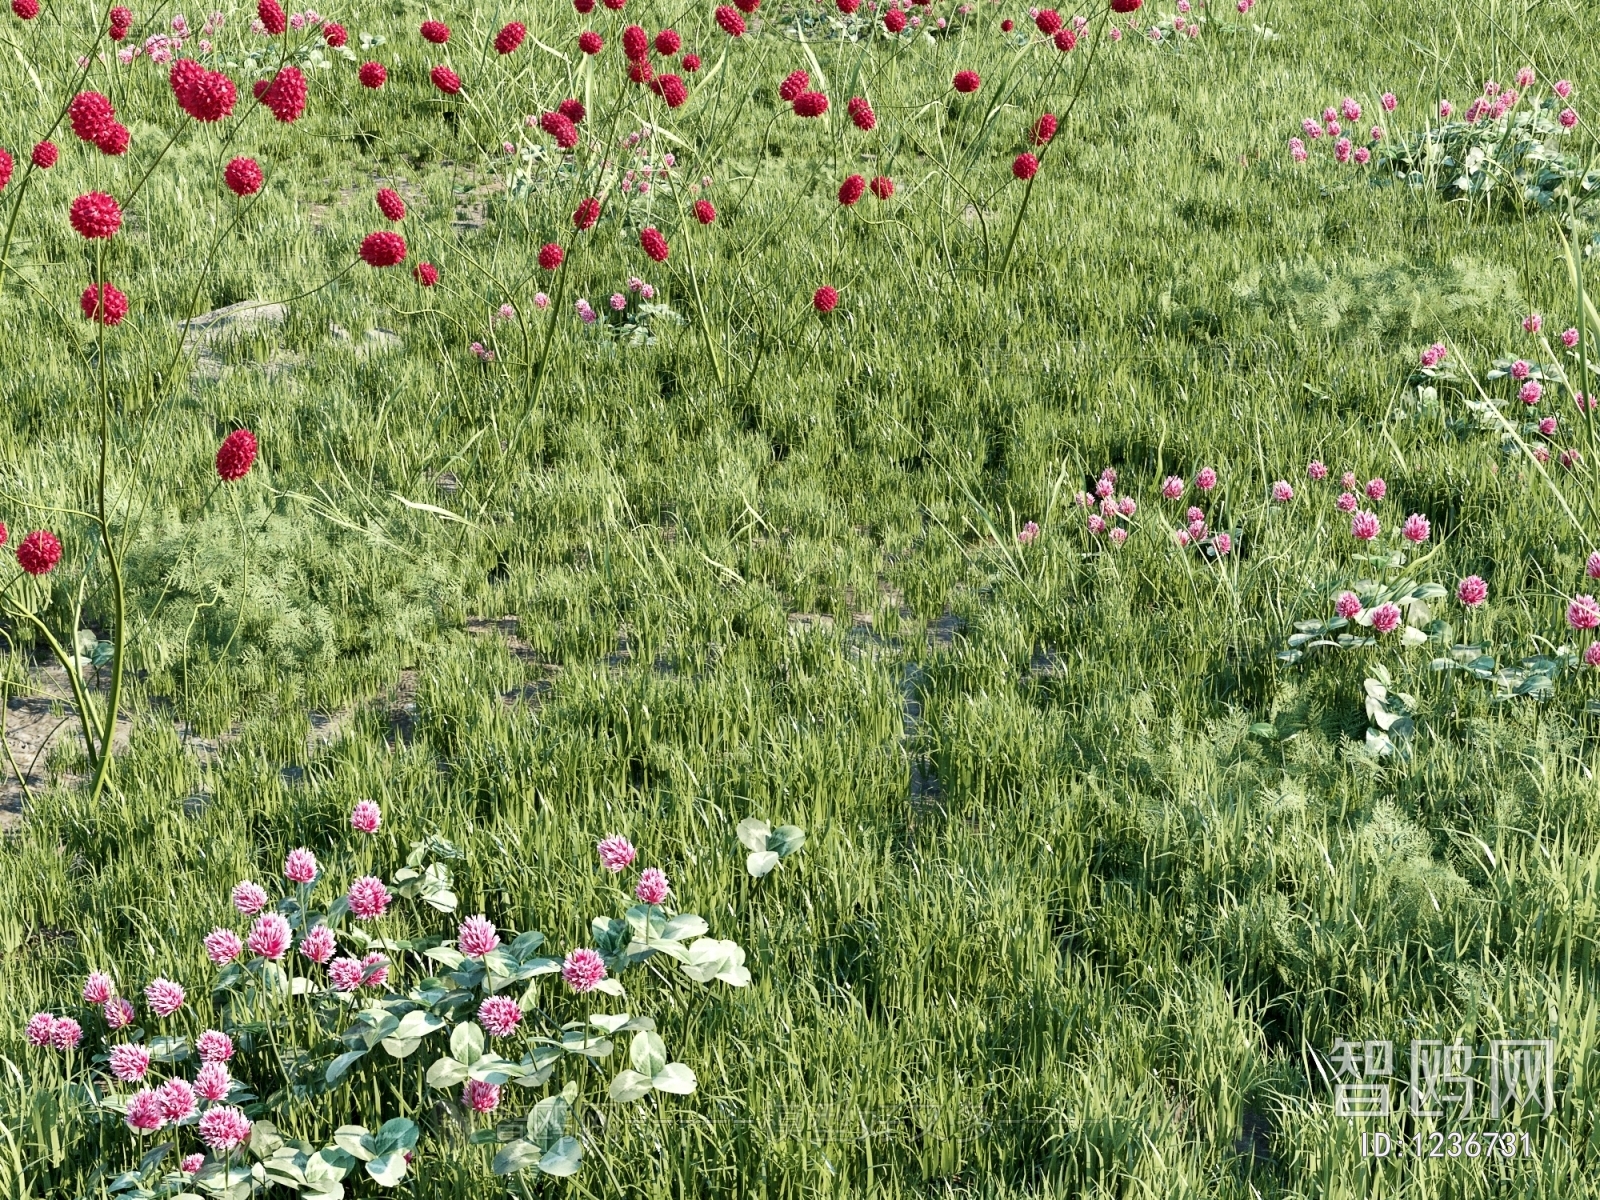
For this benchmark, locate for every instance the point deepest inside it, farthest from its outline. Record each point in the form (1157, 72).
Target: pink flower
(1445, 108)
(1193, 515)
(248, 898)
(480, 1097)
(1108, 508)
(1206, 479)
(1350, 109)
(129, 1061)
(1097, 523)
(211, 1082)
(98, 988)
(616, 852)
(1362, 154)
(1348, 481)
(1532, 323)
(1571, 459)
(224, 1128)
(1341, 150)
(318, 945)
(1520, 370)
(1223, 543)
(374, 970)
(1569, 338)
(1377, 489)
(214, 1046)
(1563, 88)
(39, 1028)
(223, 946)
(1386, 618)
(118, 1013)
(1197, 530)
(1028, 534)
(1530, 392)
(1548, 427)
(192, 1163)
(1181, 536)
(1316, 471)
(345, 974)
(500, 1016)
(1525, 77)
(1583, 613)
(177, 1099)
(369, 899)
(65, 1034)
(1364, 525)
(1118, 535)
(583, 970)
(1297, 150)
(1388, 101)
(652, 886)
(164, 997)
(1416, 528)
(1311, 129)
(1346, 502)
(476, 936)
(1282, 492)
(1172, 487)
(144, 1112)
(270, 936)
(1568, 118)
(1105, 487)
(366, 816)
(1472, 591)
(1592, 566)
(1127, 506)
(300, 866)
(1347, 605)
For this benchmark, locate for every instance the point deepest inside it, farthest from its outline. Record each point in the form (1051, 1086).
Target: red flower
(426, 274)
(667, 43)
(510, 37)
(894, 20)
(848, 6)
(691, 62)
(882, 187)
(861, 114)
(6, 167)
(259, 88)
(635, 42)
(587, 214)
(614, 5)
(810, 104)
(1065, 40)
(183, 75)
(654, 244)
(825, 299)
(852, 189)
(3, 533)
(583, 6)
(1007, 25)
(108, 311)
(372, 75)
(729, 19)
(436, 32)
(747, 6)
(1124, 7)
(446, 80)
(560, 127)
(383, 249)
(572, 109)
(590, 42)
(550, 256)
(1025, 166)
(1048, 20)
(205, 95)
(95, 215)
(243, 176)
(390, 204)
(45, 155)
(26, 10)
(236, 455)
(670, 88)
(335, 34)
(704, 212)
(639, 70)
(39, 552)
(966, 82)
(286, 94)
(121, 22)
(271, 14)
(1044, 129)
(114, 140)
(793, 84)
(91, 115)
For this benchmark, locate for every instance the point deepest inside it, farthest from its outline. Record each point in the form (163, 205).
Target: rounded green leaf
(387, 1170)
(675, 1078)
(447, 1073)
(648, 1053)
(466, 1043)
(761, 863)
(562, 1159)
(629, 1086)
(515, 1156)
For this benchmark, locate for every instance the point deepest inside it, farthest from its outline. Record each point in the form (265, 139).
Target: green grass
(1063, 925)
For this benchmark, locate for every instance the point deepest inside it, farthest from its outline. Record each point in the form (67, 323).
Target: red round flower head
(670, 88)
(335, 34)
(258, 89)
(114, 140)
(91, 115)
(560, 127)
(861, 114)
(183, 75)
(108, 308)
(894, 20)
(635, 42)
(966, 82)
(704, 212)
(1124, 7)
(39, 552)
(587, 214)
(794, 83)
(691, 63)
(272, 16)
(510, 37)
(383, 249)
(45, 155)
(572, 109)
(390, 204)
(1065, 40)
(121, 22)
(286, 95)
(654, 244)
(550, 256)
(640, 71)
(729, 20)
(615, 5)
(26, 10)
(205, 95)
(426, 274)
(882, 187)
(847, 6)
(1007, 25)
(236, 455)
(1048, 20)
(590, 42)
(243, 176)
(1044, 129)
(446, 80)
(668, 42)
(583, 6)
(95, 215)
(825, 299)
(1025, 166)
(852, 189)
(6, 167)
(372, 75)
(810, 104)
(436, 32)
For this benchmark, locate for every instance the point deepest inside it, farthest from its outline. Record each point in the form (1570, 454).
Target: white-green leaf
(388, 1169)
(564, 1158)
(684, 926)
(447, 1073)
(648, 1053)
(675, 1078)
(466, 1043)
(611, 987)
(610, 1022)
(712, 959)
(401, 1047)
(629, 1086)
(355, 1141)
(343, 1063)
(419, 1024)
(515, 1156)
(761, 863)
(753, 833)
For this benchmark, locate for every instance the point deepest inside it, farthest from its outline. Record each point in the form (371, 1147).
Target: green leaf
(753, 833)
(153, 1156)
(712, 959)
(609, 1022)
(329, 1163)
(355, 1141)
(648, 1053)
(401, 1047)
(516, 1156)
(761, 863)
(447, 1073)
(397, 1133)
(447, 956)
(684, 925)
(611, 987)
(547, 1120)
(338, 1067)
(1265, 730)
(169, 1049)
(466, 1043)
(786, 840)
(387, 1170)
(562, 1159)
(526, 944)
(418, 1024)
(675, 1078)
(629, 1086)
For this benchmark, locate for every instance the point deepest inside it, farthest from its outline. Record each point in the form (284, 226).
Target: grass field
(1093, 878)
